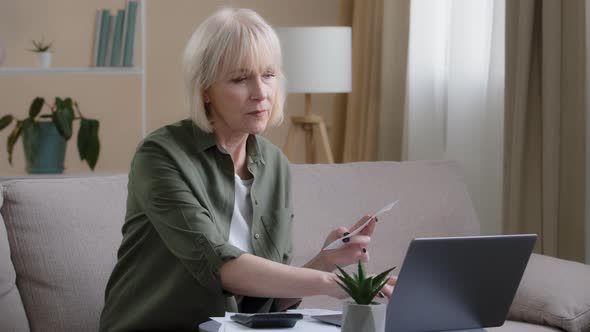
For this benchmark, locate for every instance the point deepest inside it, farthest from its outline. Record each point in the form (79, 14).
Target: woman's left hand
(387, 290)
(353, 251)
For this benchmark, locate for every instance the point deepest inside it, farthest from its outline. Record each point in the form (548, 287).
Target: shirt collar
(205, 141)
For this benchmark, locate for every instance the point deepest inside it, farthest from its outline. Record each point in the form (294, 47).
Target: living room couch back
(63, 233)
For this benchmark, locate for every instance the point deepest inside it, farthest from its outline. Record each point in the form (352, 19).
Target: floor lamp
(315, 60)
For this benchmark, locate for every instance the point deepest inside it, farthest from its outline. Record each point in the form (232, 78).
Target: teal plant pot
(50, 155)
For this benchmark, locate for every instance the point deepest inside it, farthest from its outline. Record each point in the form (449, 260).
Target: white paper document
(314, 312)
(307, 324)
(340, 242)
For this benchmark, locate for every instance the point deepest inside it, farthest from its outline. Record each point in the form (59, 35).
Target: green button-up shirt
(175, 237)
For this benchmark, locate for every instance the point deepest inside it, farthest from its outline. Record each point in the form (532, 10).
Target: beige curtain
(544, 147)
(373, 111)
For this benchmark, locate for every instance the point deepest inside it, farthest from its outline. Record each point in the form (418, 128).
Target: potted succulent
(45, 135)
(43, 51)
(363, 315)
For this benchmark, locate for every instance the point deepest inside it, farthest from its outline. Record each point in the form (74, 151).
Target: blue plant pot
(51, 153)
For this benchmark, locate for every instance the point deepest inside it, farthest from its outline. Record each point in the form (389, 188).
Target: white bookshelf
(139, 70)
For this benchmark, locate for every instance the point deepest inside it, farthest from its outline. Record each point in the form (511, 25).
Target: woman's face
(241, 101)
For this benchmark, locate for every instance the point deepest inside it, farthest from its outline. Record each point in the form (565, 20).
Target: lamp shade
(317, 59)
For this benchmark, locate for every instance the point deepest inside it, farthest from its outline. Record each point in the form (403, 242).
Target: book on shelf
(114, 36)
(129, 33)
(110, 39)
(104, 36)
(117, 39)
(98, 24)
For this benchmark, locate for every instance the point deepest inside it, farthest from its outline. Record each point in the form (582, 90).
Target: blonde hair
(228, 40)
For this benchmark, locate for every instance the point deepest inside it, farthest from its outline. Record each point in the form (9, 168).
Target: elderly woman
(208, 222)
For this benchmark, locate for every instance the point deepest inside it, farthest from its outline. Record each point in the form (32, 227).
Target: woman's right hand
(354, 250)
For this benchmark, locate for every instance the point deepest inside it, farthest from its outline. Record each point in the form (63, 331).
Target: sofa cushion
(433, 201)
(63, 235)
(554, 292)
(12, 312)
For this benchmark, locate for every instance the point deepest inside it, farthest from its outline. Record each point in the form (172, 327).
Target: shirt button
(257, 236)
(255, 202)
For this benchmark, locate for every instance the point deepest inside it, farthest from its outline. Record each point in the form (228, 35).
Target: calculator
(267, 320)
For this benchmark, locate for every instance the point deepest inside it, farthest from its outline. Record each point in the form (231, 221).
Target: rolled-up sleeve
(183, 224)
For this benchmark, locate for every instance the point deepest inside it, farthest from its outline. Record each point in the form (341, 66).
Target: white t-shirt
(239, 231)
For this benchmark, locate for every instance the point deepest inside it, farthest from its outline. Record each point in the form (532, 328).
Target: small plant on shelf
(43, 51)
(40, 46)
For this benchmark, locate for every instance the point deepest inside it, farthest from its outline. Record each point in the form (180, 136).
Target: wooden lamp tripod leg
(310, 123)
(288, 149)
(325, 141)
(309, 146)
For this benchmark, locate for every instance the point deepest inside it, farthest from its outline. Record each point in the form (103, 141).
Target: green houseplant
(364, 315)
(45, 135)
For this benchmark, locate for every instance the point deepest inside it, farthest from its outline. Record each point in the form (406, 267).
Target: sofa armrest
(554, 292)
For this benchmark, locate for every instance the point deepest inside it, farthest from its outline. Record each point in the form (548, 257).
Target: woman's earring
(207, 108)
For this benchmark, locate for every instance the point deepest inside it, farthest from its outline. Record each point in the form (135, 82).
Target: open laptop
(456, 283)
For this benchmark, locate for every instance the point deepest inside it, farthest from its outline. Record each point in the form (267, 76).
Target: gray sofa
(59, 236)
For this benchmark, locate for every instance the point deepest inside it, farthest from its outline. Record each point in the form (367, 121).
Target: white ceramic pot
(363, 317)
(44, 59)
